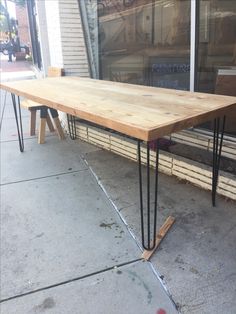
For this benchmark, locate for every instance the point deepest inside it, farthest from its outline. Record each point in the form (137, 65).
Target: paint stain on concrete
(194, 270)
(161, 311)
(134, 276)
(39, 235)
(179, 260)
(106, 225)
(48, 303)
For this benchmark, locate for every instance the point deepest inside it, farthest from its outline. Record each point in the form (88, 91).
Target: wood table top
(143, 112)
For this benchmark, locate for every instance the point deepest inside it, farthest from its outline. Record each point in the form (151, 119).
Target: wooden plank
(194, 181)
(32, 122)
(139, 111)
(124, 147)
(160, 236)
(192, 165)
(165, 170)
(49, 123)
(227, 194)
(169, 164)
(28, 104)
(204, 142)
(59, 129)
(227, 187)
(42, 128)
(193, 175)
(229, 181)
(190, 140)
(122, 140)
(124, 154)
(55, 71)
(100, 143)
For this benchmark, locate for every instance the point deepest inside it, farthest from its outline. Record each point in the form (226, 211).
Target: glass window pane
(216, 51)
(216, 41)
(145, 42)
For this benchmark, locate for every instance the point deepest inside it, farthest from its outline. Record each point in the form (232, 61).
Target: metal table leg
(17, 111)
(148, 225)
(219, 126)
(71, 126)
(148, 229)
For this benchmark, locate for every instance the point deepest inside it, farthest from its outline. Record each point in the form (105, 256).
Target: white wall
(62, 36)
(43, 36)
(54, 32)
(74, 52)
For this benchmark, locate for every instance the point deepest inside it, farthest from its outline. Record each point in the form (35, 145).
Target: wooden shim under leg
(42, 127)
(59, 129)
(159, 237)
(32, 122)
(49, 123)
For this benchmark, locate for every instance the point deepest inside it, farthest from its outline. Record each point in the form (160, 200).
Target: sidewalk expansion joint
(154, 270)
(16, 140)
(70, 280)
(44, 177)
(33, 137)
(113, 205)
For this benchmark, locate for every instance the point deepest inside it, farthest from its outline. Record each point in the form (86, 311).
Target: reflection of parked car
(4, 48)
(25, 48)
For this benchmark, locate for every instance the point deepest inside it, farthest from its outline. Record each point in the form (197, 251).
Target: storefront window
(216, 51)
(145, 42)
(33, 23)
(216, 47)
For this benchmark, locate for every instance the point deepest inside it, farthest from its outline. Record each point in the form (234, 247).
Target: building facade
(178, 44)
(23, 26)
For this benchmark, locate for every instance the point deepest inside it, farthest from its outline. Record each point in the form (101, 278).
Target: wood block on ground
(160, 236)
(55, 72)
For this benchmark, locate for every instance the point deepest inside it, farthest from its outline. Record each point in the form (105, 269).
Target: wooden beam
(59, 129)
(42, 127)
(49, 123)
(32, 122)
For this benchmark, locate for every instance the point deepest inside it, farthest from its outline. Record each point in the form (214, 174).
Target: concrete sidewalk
(67, 212)
(15, 70)
(64, 246)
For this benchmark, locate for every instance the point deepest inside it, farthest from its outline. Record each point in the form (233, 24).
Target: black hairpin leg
(148, 228)
(219, 127)
(17, 111)
(71, 126)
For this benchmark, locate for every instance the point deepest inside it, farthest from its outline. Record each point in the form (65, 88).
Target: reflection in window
(216, 42)
(145, 42)
(216, 51)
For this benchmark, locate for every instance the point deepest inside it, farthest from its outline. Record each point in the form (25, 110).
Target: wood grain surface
(142, 112)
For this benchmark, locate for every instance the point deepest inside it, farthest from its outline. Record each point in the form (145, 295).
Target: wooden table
(144, 113)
